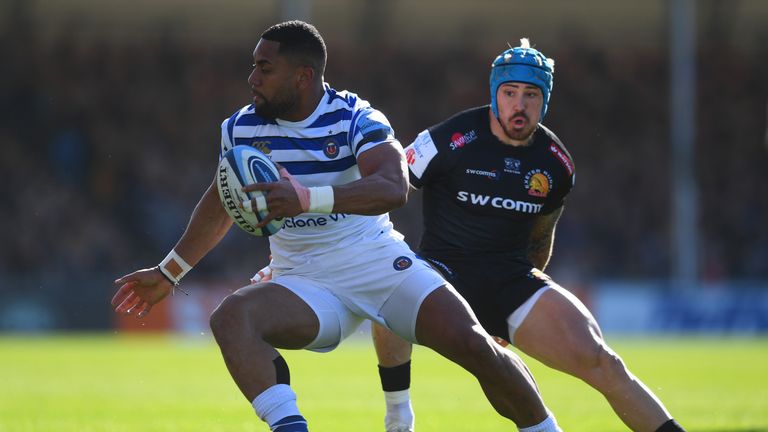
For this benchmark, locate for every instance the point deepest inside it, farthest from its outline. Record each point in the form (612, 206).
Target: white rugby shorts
(381, 281)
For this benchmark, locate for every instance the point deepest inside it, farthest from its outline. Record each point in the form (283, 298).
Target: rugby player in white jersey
(343, 170)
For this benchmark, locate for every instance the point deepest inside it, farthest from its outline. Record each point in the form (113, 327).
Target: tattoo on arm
(541, 239)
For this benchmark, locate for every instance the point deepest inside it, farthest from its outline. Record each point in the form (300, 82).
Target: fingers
(280, 199)
(125, 279)
(247, 206)
(127, 305)
(264, 187)
(123, 292)
(139, 292)
(143, 310)
(259, 200)
(137, 276)
(262, 275)
(267, 219)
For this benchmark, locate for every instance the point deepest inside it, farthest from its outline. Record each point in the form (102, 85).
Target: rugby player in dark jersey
(494, 182)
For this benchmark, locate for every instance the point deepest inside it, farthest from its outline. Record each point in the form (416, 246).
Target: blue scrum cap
(522, 64)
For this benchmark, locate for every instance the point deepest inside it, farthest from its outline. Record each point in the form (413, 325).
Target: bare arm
(383, 187)
(207, 226)
(142, 289)
(541, 239)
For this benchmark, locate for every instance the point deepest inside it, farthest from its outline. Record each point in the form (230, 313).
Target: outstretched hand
(139, 291)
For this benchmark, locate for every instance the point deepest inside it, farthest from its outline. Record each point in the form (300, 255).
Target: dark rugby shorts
(494, 289)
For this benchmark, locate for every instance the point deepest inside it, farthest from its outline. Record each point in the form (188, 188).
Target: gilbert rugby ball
(243, 165)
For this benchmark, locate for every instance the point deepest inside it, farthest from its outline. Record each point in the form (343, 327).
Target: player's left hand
(284, 198)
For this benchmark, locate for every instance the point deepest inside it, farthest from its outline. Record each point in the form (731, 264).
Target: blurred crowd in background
(107, 145)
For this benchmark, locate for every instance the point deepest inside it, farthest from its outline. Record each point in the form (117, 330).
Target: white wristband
(321, 199)
(183, 265)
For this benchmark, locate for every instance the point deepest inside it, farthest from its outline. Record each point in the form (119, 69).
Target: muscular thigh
(282, 317)
(447, 336)
(559, 331)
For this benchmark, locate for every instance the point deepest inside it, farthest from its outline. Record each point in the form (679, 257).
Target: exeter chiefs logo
(331, 149)
(538, 183)
(401, 263)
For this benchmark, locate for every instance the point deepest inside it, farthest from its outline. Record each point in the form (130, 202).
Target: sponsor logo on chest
(491, 174)
(459, 140)
(498, 202)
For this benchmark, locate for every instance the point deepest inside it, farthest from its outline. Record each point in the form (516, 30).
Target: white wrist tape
(183, 265)
(321, 199)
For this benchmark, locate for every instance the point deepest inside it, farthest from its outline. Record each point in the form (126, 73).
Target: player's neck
(307, 105)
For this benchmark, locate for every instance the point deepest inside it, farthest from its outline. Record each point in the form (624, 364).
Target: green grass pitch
(117, 383)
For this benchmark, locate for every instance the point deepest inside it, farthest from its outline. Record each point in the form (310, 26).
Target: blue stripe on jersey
(251, 119)
(335, 95)
(377, 135)
(331, 118)
(294, 423)
(317, 167)
(289, 143)
(231, 126)
(353, 127)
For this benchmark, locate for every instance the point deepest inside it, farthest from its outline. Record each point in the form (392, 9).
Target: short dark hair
(301, 41)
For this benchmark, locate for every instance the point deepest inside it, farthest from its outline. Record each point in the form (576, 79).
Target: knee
(604, 368)
(478, 349)
(228, 316)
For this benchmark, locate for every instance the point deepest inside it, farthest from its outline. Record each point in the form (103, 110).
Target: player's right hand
(284, 198)
(139, 291)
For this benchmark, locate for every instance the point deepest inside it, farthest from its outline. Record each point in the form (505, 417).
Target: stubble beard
(277, 107)
(523, 134)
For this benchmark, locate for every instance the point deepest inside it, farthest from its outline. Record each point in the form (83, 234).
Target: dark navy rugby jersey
(481, 196)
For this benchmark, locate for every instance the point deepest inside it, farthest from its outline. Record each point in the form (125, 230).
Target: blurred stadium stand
(109, 131)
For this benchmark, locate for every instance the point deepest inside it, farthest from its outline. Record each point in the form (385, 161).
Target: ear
(305, 75)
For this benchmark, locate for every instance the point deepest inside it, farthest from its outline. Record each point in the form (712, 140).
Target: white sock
(548, 425)
(276, 403)
(399, 409)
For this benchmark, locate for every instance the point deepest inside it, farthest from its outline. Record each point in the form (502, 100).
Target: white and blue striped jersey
(319, 150)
